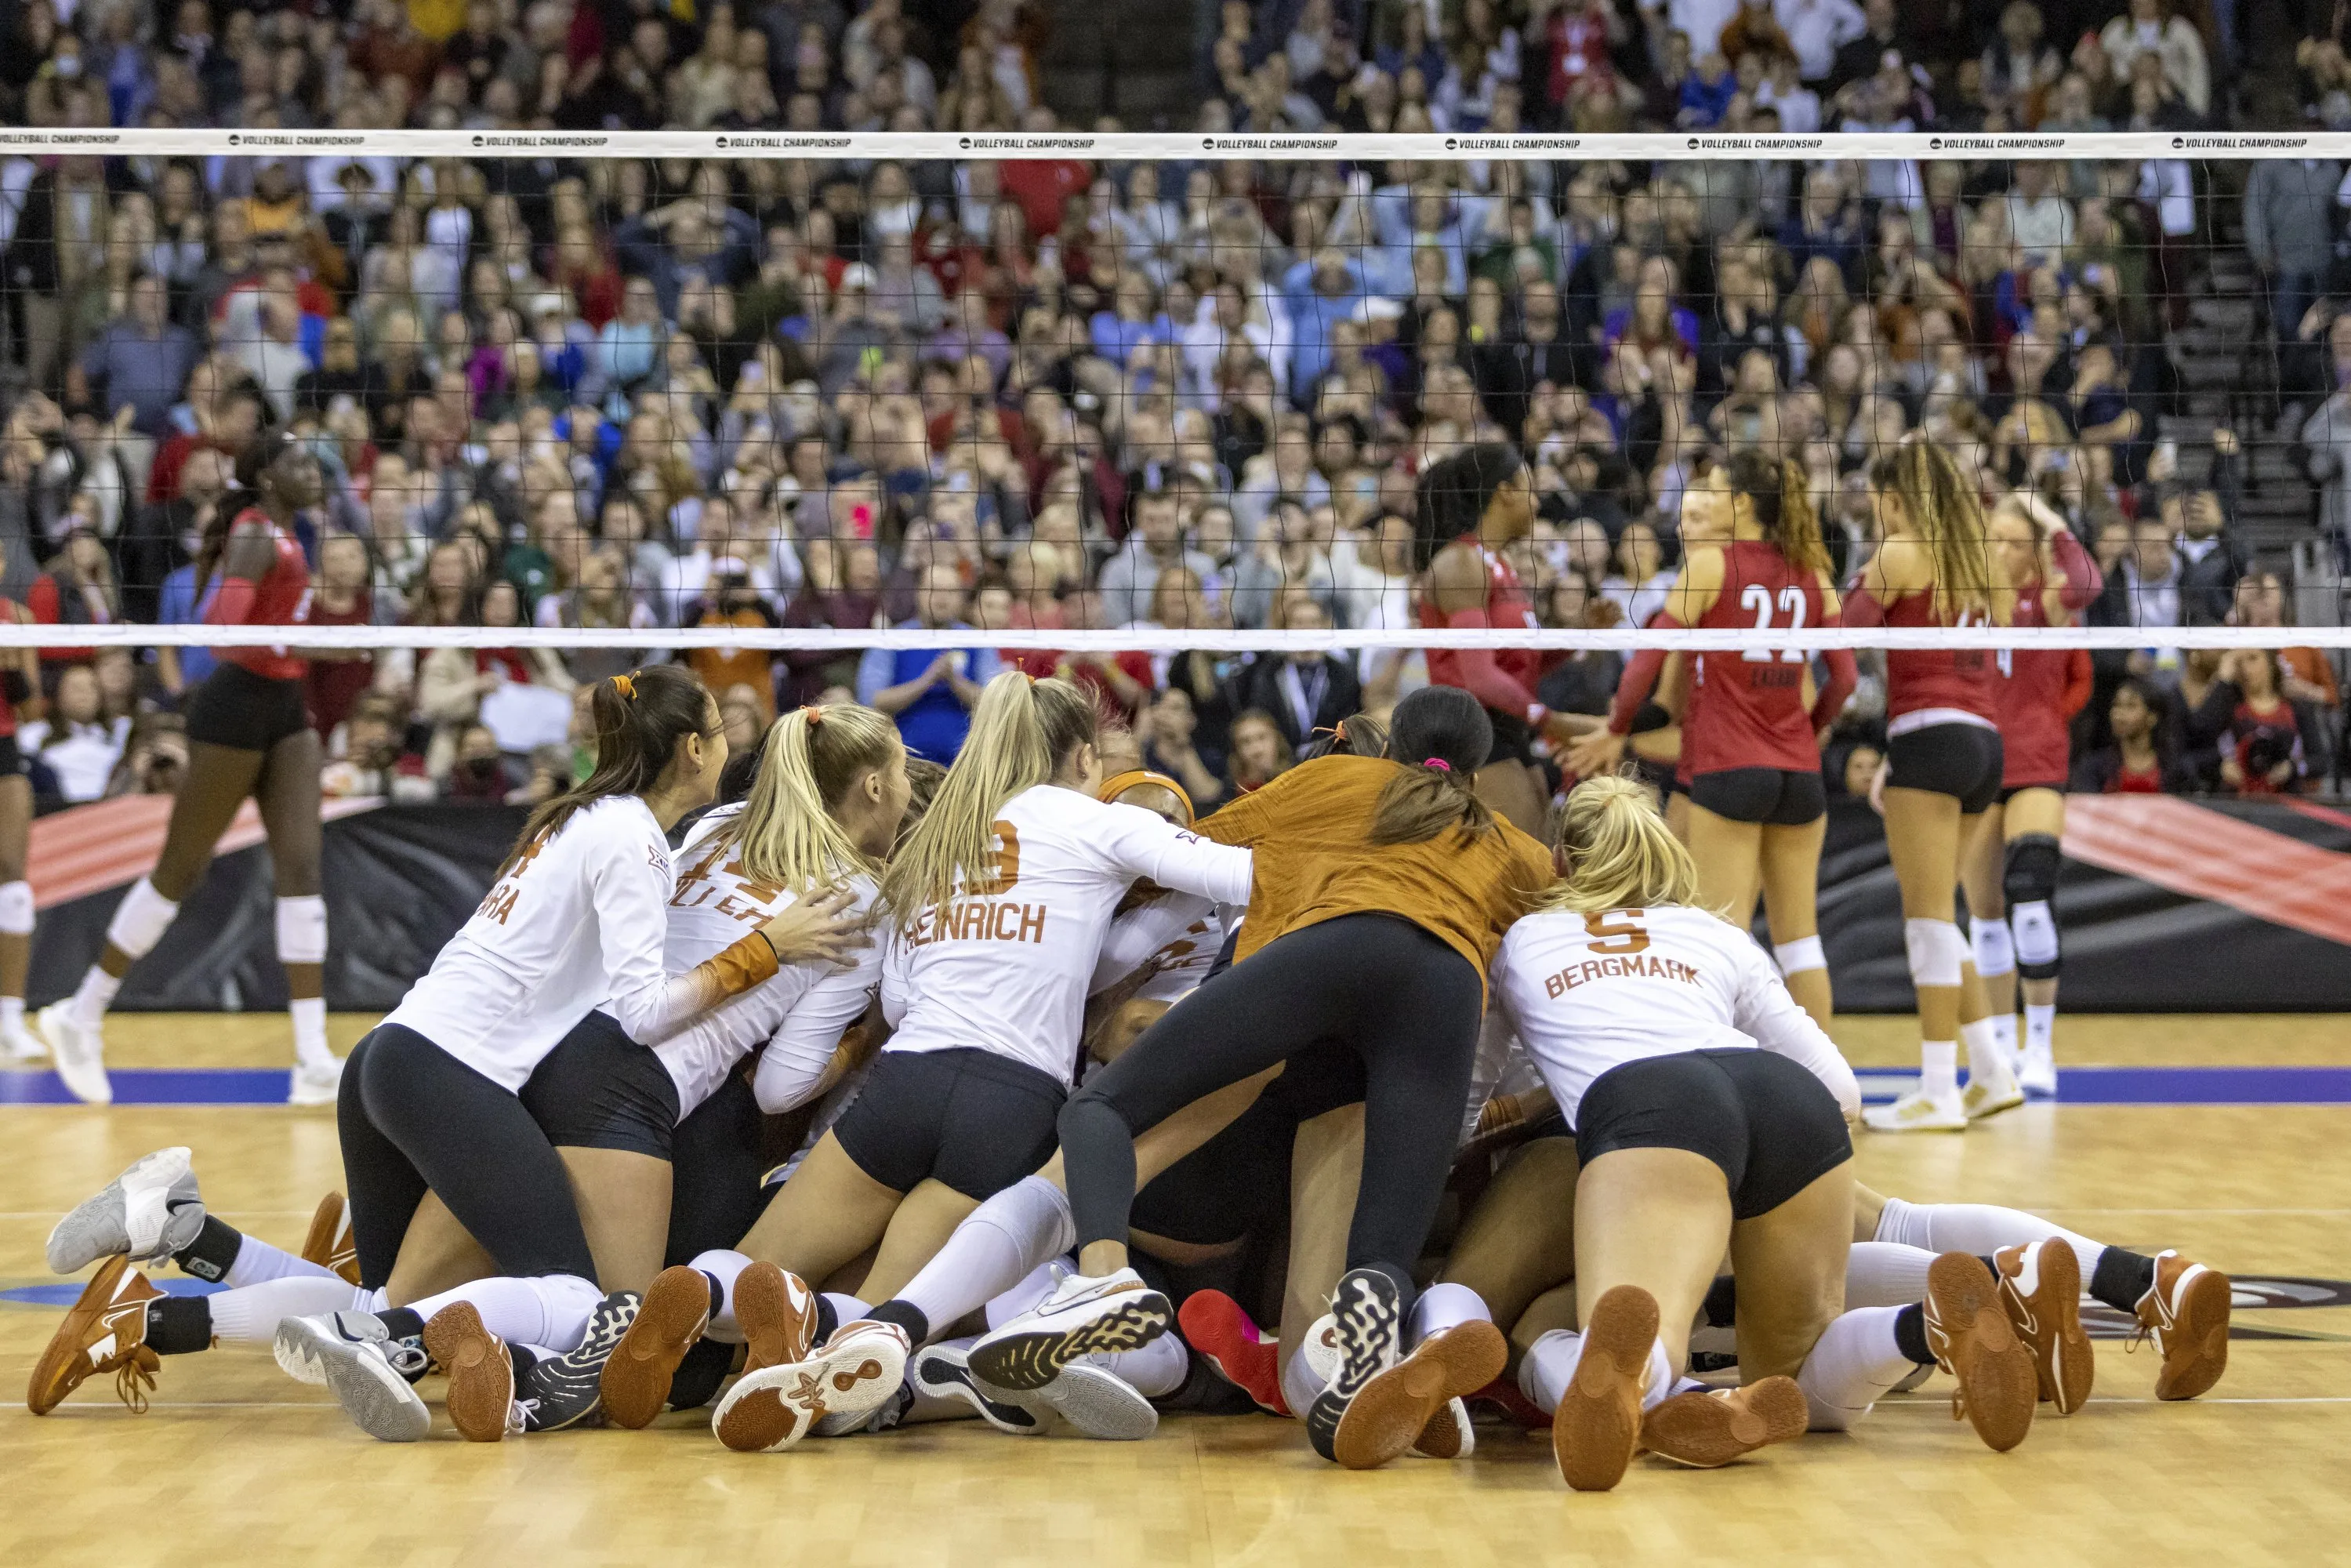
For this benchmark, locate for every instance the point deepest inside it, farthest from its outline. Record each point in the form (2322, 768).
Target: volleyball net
(796, 406)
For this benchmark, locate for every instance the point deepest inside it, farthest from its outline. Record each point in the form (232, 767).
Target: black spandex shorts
(1957, 758)
(1514, 738)
(976, 1120)
(1769, 1124)
(1778, 797)
(598, 1089)
(235, 707)
(1236, 1183)
(2011, 791)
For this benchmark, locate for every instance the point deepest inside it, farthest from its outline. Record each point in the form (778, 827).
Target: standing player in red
(1472, 505)
(1942, 770)
(1750, 742)
(2011, 876)
(248, 735)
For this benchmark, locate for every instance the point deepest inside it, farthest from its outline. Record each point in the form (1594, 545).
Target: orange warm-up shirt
(1309, 832)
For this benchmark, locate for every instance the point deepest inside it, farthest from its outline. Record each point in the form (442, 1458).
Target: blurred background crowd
(1070, 395)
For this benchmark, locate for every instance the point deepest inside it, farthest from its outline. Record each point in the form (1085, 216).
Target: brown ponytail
(1442, 736)
(1783, 500)
(640, 719)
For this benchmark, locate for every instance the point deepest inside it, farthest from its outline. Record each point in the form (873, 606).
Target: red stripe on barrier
(2188, 849)
(109, 843)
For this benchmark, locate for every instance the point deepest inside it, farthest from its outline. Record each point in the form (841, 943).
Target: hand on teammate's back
(823, 929)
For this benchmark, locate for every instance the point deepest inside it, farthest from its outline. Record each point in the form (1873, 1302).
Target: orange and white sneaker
(330, 1244)
(778, 1315)
(1706, 1429)
(2041, 1288)
(857, 1372)
(1596, 1429)
(105, 1331)
(481, 1396)
(1449, 1435)
(637, 1376)
(2186, 1314)
(1390, 1414)
(1972, 1339)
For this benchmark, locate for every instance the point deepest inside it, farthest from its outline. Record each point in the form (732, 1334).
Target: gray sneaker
(149, 1211)
(354, 1356)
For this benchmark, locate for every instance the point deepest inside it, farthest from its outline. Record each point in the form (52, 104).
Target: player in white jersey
(997, 902)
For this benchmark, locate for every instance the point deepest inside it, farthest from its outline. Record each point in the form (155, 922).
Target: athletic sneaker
(777, 1314)
(2037, 1072)
(20, 1044)
(2041, 1289)
(2186, 1314)
(1367, 1325)
(1096, 1403)
(315, 1084)
(1083, 1316)
(481, 1398)
(770, 1409)
(559, 1391)
(1713, 1426)
(1597, 1428)
(1918, 1112)
(636, 1379)
(1988, 1092)
(943, 1372)
(79, 1054)
(1388, 1414)
(859, 1424)
(105, 1331)
(352, 1353)
(1449, 1435)
(1968, 1330)
(1217, 1328)
(1505, 1395)
(329, 1243)
(149, 1211)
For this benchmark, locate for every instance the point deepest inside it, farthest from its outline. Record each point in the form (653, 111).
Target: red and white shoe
(1215, 1325)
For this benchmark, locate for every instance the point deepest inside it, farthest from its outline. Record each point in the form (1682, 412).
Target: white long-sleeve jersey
(1177, 933)
(1005, 965)
(579, 919)
(799, 1012)
(1589, 992)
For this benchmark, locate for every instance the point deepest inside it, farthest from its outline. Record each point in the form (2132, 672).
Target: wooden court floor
(235, 1462)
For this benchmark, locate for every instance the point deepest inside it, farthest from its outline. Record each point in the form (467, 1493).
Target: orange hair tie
(626, 685)
(815, 713)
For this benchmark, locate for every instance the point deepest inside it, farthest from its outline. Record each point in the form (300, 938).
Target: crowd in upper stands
(1060, 393)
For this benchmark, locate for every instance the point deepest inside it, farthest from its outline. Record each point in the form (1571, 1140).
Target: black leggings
(414, 1119)
(1378, 990)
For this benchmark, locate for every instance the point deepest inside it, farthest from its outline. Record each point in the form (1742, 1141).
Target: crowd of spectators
(1068, 394)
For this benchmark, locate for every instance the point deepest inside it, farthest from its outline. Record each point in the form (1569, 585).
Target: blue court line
(2076, 1085)
(2162, 1085)
(69, 1292)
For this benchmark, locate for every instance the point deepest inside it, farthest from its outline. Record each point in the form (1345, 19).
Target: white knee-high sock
(721, 1267)
(1886, 1274)
(1155, 1371)
(1978, 1229)
(258, 1262)
(550, 1311)
(1549, 1364)
(1444, 1306)
(1852, 1365)
(997, 1245)
(846, 1309)
(1024, 1294)
(249, 1314)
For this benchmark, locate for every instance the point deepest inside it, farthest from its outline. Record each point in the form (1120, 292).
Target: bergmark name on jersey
(1650, 966)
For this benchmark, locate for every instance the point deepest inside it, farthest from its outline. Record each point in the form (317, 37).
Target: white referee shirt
(799, 1012)
(1005, 967)
(1589, 992)
(577, 921)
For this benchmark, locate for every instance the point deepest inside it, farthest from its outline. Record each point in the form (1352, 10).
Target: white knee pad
(1936, 951)
(1804, 953)
(302, 930)
(16, 908)
(140, 920)
(1995, 954)
(2037, 936)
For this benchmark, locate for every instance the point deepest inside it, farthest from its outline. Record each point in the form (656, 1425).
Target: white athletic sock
(1938, 1068)
(997, 1245)
(1549, 1364)
(258, 1262)
(1026, 1293)
(1852, 1365)
(721, 1267)
(1443, 1306)
(1155, 1371)
(550, 1310)
(367, 1300)
(1299, 1387)
(93, 997)
(249, 1314)
(2003, 1030)
(2040, 1027)
(311, 1047)
(1979, 1230)
(1886, 1274)
(1986, 1057)
(846, 1309)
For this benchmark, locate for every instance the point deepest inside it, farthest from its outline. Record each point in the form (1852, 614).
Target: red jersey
(282, 598)
(1502, 678)
(1936, 683)
(2038, 691)
(1747, 709)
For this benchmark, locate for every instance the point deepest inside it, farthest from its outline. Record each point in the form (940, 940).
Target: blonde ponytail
(1946, 516)
(1620, 853)
(786, 835)
(1020, 732)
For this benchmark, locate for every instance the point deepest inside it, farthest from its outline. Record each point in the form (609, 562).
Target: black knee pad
(2030, 882)
(2030, 875)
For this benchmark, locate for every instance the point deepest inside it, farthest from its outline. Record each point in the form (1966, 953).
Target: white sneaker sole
(378, 1399)
(86, 1080)
(846, 1380)
(99, 1226)
(1099, 1403)
(298, 1347)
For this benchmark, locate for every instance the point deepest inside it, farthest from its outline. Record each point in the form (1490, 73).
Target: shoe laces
(134, 1376)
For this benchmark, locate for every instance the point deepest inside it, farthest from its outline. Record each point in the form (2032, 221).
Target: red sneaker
(1215, 1325)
